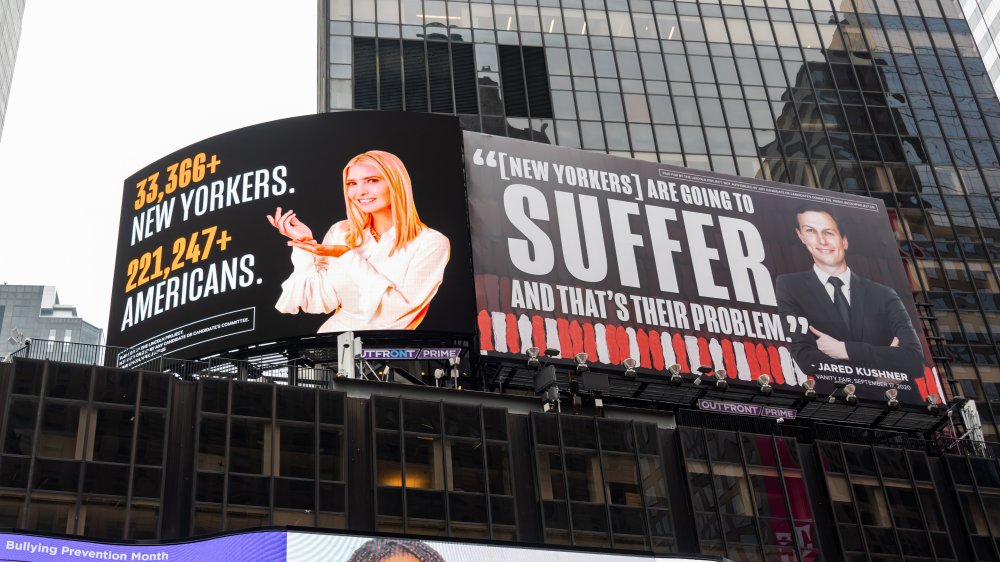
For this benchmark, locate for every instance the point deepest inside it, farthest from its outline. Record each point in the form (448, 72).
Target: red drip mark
(704, 355)
(513, 338)
(751, 351)
(680, 350)
(932, 383)
(656, 350)
(729, 358)
(538, 332)
(611, 338)
(776, 372)
(642, 340)
(624, 346)
(762, 360)
(590, 341)
(576, 339)
(562, 330)
(922, 387)
(485, 331)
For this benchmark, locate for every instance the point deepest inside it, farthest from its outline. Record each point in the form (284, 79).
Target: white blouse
(366, 288)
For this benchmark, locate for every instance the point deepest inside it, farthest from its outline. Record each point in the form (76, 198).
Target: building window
(524, 81)
(455, 78)
(749, 496)
(269, 455)
(411, 75)
(442, 469)
(98, 448)
(601, 483)
(977, 486)
(884, 502)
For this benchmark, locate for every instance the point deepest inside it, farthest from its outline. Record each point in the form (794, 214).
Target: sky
(105, 87)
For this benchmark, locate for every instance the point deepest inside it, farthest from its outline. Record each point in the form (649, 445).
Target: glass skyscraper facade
(11, 12)
(884, 98)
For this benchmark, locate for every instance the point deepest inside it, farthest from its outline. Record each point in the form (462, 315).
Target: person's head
(395, 550)
(377, 182)
(820, 232)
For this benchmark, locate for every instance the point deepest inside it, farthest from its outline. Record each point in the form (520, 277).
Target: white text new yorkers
(208, 197)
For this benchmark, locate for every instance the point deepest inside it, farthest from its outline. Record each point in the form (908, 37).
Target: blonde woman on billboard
(376, 270)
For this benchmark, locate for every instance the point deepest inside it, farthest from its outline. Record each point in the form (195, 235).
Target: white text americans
(190, 286)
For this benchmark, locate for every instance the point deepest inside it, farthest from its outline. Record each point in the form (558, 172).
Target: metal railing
(298, 374)
(67, 352)
(264, 370)
(813, 431)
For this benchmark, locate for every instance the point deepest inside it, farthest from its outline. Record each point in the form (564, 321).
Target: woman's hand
(314, 247)
(289, 225)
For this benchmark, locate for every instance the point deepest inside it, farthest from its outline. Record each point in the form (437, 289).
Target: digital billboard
(267, 546)
(619, 258)
(294, 546)
(346, 548)
(325, 223)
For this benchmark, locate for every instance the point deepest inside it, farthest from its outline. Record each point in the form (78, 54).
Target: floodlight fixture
(675, 374)
(933, 404)
(551, 352)
(810, 386)
(581, 362)
(629, 364)
(720, 379)
(851, 394)
(765, 384)
(891, 398)
(532, 353)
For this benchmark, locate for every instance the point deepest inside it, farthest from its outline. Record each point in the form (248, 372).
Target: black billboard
(325, 223)
(624, 259)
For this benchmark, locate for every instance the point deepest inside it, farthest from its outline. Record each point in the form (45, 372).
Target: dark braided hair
(376, 550)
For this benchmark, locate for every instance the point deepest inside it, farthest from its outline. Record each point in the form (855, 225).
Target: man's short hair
(817, 208)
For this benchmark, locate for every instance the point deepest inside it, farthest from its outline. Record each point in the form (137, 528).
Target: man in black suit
(852, 320)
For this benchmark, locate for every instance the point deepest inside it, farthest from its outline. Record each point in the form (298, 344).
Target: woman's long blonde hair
(404, 213)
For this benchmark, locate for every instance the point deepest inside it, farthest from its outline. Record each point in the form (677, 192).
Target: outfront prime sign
(411, 353)
(619, 258)
(743, 409)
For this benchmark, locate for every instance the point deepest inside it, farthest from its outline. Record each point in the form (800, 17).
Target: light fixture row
(708, 375)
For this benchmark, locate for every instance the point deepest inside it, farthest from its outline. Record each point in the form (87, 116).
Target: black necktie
(840, 301)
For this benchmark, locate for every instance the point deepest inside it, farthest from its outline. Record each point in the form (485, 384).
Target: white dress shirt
(367, 288)
(845, 277)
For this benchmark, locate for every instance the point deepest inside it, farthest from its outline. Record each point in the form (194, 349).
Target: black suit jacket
(877, 316)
